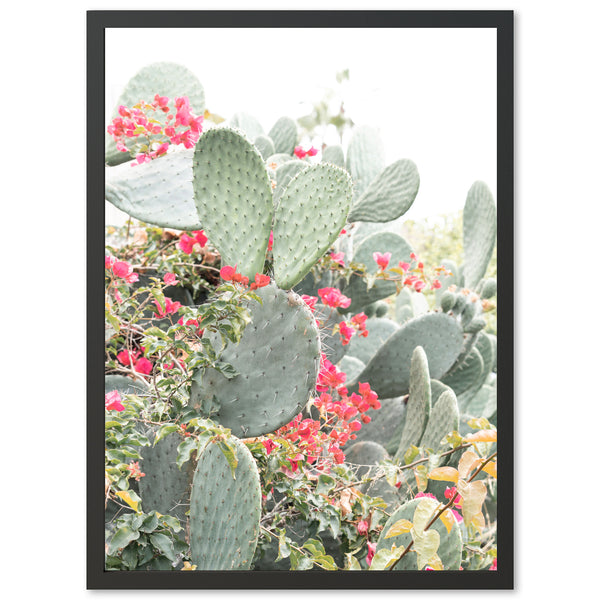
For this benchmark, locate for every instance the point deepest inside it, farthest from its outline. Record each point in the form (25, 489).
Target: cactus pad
(233, 197)
(440, 336)
(277, 360)
(224, 511)
(309, 217)
(284, 134)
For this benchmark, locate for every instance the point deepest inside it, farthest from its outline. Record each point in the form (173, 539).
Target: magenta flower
(334, 298)
(170, 279)
(383, 260)
(362, 527)
(112, 401)
(371, 552)
(338, 257)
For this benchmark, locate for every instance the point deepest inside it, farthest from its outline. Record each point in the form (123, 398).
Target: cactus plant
(224, 509)
(277, 360)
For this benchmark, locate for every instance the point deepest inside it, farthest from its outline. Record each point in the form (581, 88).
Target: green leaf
(164, 431)
(150, 523)
(122, 537)
(230, 454)
(164, 543)
(284, 547)
(184, 450)
(384, 558)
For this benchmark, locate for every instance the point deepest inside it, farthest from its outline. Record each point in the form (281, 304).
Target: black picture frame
(97, 578)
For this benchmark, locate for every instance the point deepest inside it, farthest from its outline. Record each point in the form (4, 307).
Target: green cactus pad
(365, 158)
(233, 197)
(443, 420)
(484, 404)
(264, 144)
(466, 374)
(386, 424)
(163, 78)
(311, 283)
(248, 124)
(124, 385)
(437, 389)
(410, 304)
(284, 134)
(284, 174)
(165, 488)
(479, 232)
(389, 195)
(384, 241)
(334, 155)
(277, 360)
(309, 217)
(364, 348)
(450, 548)
(419, 404)
(489, 288)
(224, 510)
(159, 192)
(447, 280)
(440, 336)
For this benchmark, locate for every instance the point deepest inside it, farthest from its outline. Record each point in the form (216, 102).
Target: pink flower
(334, 298)
(362, 527)
(124, 270)
(112, 401)
(170, 308)
(360, 321)
(269, 445)
(436, 285)
(299, 152)
(161, 101)
(419, 285)
(371, 552)
(329, 376)
(143, 365)
(260, 281)
(338, 258)
(404, 266)
(126, 358)
(134, 470)
(170, 279)
(270, 246)
(312, 151)
(494, 566)
(346, 333)
(383, 260)
(109, 261)
(425, 495)
(187, 243)
(310, 301)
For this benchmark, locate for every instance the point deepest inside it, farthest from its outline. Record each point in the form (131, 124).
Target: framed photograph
(305, 334)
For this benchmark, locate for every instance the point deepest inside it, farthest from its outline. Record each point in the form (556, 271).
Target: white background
(556, 328)
(430, 93)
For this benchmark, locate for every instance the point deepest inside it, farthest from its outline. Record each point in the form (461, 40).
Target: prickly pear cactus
(309, 217)
(419, 404)
(443, 419)
(284, 134)
(233, 198)
(277, 360)
(224, 509)
(440, 336)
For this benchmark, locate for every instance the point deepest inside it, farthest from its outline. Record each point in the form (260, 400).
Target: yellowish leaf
(473, 494)
(426, 545)
(478, 522)
(124, 495)
(424, 512)
(444, 474)
(491, 469)
(436, 563)
(448, 519)
(468, 461)
(188, 566)
(399, 527)
(485, 435)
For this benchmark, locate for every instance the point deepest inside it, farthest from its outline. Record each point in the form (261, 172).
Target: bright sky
(430, 92)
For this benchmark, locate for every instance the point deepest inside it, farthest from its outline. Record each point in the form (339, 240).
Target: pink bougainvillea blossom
(372, 548)
(171, 308)
(382, 260)
(362, 527)
(260, 281)
(338, 257)
(187, 243)
(123, 270)
(170, 279)
(269, 445)
(134, 470)
(228, 273)
(346, 333)
(127, 358)
(333, 297)
(270, 244)
(112, 401)
(143, 365)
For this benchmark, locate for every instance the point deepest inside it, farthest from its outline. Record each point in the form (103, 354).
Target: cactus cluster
(427, 365)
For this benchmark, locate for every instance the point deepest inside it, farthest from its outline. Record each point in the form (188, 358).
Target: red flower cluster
(139, 363)
(170, 308)
(299, 152)
(356, 325)
(120, 269)
(139, 121)
(333, 297)
(134, 470)
(229, 273)
(112, 401)
(187, 243)
(192, 323)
